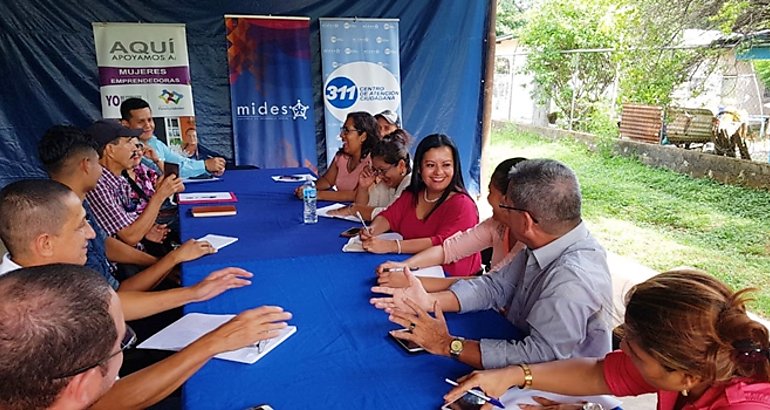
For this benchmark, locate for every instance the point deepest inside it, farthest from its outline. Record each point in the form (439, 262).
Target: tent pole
(489, 75)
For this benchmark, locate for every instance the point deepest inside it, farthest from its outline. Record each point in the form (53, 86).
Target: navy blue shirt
(97, 254)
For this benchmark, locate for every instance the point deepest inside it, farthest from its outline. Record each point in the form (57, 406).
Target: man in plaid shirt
(110, 201)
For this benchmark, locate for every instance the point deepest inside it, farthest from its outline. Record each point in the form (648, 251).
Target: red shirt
(457, 213)
(624, 379)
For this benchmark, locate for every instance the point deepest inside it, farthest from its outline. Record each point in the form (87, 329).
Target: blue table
(341, 356)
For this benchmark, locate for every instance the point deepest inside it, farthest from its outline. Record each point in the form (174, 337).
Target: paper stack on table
(206, 197)
(325, 212)
(192, 326)
(293, 178)
(218, 241)
(354, 244)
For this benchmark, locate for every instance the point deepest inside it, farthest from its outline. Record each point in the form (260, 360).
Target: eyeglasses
(378, 171)
(346, 131)
(129, 341)
(513, 208)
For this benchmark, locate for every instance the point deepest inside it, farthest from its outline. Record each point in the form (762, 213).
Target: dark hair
(500, 175)
(394, 147)
(61, 143)
(549, 191)
(53, 319)
(28, 208)
(689, 321)
(455, 185)
(365, 123)
(131, 104)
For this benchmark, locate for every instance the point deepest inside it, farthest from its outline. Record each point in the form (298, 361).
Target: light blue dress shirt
(187, 167)
(559, 295)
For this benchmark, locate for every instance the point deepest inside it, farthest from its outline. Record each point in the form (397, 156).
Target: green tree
(556, 26)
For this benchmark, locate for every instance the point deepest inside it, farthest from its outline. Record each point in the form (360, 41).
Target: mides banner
(360, 59)
(271, 91)
(144, 60)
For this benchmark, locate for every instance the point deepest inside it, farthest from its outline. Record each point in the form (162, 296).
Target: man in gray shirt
(557, 290)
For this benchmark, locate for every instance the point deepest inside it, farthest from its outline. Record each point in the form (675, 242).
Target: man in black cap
(110, 200)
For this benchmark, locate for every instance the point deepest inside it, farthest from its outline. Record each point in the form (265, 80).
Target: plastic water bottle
(309, 198)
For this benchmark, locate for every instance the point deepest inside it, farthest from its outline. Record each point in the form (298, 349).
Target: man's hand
(397, 299)
(157, 233)
(492, 382)
(344, 211)
(192, 250)
(219, 281)
(168, 185)
(215, 165)
(248, 328)
(429, 332)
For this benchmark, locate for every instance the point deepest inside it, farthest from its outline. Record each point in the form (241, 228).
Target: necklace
(425, 196)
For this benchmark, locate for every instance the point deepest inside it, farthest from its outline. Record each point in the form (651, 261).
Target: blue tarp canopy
(49, 75)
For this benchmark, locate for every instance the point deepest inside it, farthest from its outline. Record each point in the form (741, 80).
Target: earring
(684, 392)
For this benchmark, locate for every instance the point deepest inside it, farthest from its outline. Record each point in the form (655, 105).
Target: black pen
(400, 269)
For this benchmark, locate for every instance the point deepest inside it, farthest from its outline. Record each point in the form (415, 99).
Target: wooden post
(489, 75)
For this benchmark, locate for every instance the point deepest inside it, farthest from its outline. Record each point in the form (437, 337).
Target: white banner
(360, 63)
(144, 60)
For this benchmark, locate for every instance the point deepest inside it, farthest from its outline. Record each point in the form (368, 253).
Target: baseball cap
(390, 116)
(105, 131)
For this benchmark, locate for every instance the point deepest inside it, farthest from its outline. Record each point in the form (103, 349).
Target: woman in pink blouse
(492, 233)
(687, 337)
(359, 133)
(434, 207)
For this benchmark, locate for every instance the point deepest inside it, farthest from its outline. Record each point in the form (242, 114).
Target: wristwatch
(456, 346)
(592, 406)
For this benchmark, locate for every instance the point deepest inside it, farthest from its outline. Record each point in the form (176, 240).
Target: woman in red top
(687, 337)
(434, 207)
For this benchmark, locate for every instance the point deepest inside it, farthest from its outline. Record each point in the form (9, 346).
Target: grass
(661, 218)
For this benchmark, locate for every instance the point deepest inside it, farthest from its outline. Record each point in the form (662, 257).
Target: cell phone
(350, 232)
(466, 402)
(408, 345)
(261, 407)
(170, 168)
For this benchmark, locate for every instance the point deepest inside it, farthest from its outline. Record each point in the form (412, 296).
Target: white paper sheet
(354, 244)
(197, 180)
(293, 178)
(204, 196)
(192, 326)
(325, 212)
(516, 396)
(430, 272)
(218, 241)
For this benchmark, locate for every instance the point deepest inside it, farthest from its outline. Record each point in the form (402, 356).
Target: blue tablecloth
(341, 356)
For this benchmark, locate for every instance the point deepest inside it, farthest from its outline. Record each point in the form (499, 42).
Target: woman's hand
(344, 211)
(375, 245)
(493, 383)
(367, 178)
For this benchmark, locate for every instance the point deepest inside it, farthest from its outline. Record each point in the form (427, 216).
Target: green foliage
(509, 16)
(661, 218)
(559, 25)
(762, 68)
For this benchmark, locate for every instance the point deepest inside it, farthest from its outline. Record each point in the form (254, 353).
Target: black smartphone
(466, 402)
(350, 232)
(408, 345)
(170, 168)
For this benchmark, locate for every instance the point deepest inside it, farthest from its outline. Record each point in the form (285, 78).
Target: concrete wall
(695, 164)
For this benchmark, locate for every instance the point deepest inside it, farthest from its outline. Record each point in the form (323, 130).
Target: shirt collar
(544, 255)
(8, 265)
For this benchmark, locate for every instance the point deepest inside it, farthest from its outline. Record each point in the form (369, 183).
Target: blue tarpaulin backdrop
(48, 69)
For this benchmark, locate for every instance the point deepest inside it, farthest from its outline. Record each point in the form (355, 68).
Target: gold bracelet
(527, 376)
